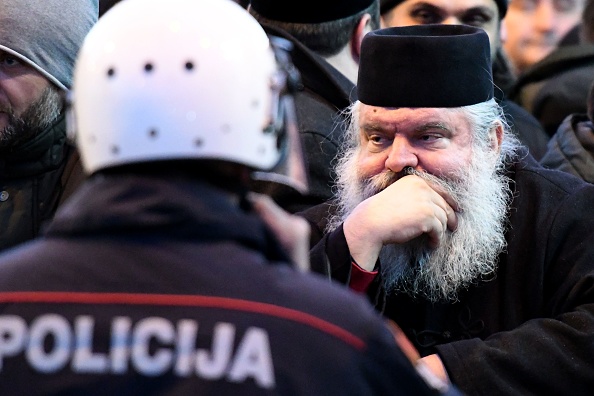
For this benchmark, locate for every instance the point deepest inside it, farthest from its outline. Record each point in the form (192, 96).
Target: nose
(544, 16)
(401, 155)
(451, 20)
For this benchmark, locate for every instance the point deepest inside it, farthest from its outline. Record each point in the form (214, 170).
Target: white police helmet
(176, 79)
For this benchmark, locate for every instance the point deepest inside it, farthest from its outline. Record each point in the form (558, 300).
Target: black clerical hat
(425, 66)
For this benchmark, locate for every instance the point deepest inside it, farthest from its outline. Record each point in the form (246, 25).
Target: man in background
(534, 28)
(326, 40)
(39, 169)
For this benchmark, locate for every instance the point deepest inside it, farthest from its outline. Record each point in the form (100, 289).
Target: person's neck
(344, 63)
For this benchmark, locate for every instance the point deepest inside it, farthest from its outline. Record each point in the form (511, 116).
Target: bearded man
(39, 168)
(452, 228)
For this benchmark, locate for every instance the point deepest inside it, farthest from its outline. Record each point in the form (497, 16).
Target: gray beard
(36, 118)
(464, 256)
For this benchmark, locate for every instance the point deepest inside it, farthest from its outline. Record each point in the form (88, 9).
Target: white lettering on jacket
(51, 343)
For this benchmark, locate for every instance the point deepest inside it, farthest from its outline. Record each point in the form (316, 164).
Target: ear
(363, 27)
(502, 32)
(496, 137)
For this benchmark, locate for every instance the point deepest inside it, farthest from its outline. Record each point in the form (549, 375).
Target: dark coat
(530, 329)
(526, 127)
(557, 86)
(35, 178)
(196, 295)
(571, 149)
(325, 93)
(523, 124)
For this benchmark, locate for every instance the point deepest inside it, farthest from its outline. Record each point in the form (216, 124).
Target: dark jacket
(557, 86)
(523, 124)
(35, 178)
(526, 128)
(324, 94)
(530, 329)
(571, 149)
(164, 286)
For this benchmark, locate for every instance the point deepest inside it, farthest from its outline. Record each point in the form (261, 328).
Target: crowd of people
(346, 197)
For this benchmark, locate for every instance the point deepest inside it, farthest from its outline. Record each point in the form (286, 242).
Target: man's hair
(325, 38)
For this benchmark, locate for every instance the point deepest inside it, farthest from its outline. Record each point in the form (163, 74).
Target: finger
(450, 212)
(443, 199)
(444, 195)
(265, 207)
(452, 218)
(292, 231)
(435, 232)
(403, 342)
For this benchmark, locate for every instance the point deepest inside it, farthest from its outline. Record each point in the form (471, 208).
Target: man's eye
(430, 138)
(565, 5)
(9, 61)
(478, 20)
(426, 17)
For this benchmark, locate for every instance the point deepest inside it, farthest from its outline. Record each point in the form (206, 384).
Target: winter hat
(308, 11)
(425, 66)
(387, 5)
(47, 34)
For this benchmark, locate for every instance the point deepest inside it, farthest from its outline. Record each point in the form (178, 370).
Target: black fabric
(325, 93)
(175, 254)
(571, 149)
(430, 65)
(530, 328)
(557, 86)
(35, 178)
(387, 5)
(523, 124)
(308, 11)
(526, 127)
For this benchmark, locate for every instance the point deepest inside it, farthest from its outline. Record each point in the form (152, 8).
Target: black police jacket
(149, 286)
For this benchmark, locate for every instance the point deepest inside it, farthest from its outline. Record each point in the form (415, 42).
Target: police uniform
(144, 285)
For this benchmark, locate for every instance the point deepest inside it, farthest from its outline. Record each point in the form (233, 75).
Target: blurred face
(28, 101)
(480, 13)
(535, 27)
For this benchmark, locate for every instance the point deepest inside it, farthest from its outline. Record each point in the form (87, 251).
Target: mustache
(453, 185)
(381, 181)
(6, 109)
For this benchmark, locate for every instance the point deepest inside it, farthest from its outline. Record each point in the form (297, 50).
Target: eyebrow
(479, 8)
(433, 125)
(375, 127)
(378, 127)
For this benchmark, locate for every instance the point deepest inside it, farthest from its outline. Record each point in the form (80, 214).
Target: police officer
(157, 277)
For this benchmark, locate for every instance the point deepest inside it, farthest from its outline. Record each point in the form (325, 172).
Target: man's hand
(292, 231)
(405, 210)
(430, 367)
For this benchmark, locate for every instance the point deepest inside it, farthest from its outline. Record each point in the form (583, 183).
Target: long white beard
(464, 256)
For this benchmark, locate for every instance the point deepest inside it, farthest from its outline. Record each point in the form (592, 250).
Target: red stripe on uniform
(185, 301)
